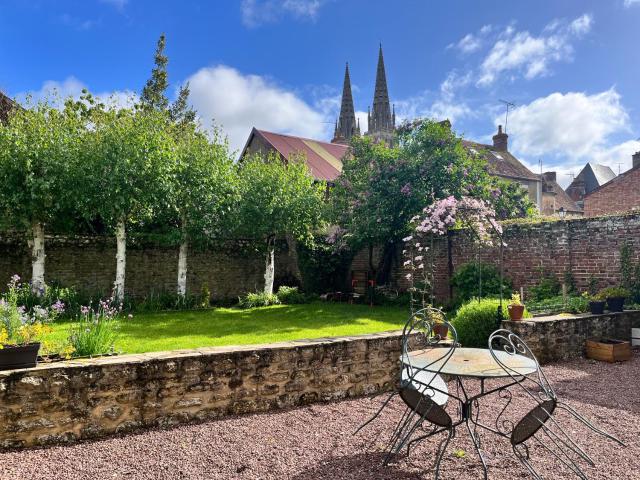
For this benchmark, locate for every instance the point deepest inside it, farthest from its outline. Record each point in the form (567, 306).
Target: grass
(231, 326)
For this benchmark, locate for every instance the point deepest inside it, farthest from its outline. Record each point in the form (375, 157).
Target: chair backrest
(426, 328)
(503, 342)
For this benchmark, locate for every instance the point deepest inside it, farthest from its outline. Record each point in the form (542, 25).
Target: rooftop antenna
(619, 163)
(509, 105)
(572, 175)
(540, 163)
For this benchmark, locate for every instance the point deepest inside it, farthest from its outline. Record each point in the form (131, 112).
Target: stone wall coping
(568, 317)
(134, 358)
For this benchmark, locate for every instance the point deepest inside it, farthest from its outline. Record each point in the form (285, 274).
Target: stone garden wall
(89, 265)
(73, 400)
(561, 337)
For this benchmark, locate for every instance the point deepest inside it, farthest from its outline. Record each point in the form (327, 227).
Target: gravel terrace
(315, 442)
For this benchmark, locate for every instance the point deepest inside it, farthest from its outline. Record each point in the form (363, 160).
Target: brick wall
(89, 264)
(586, 247)
(74, 400)
(622, 194)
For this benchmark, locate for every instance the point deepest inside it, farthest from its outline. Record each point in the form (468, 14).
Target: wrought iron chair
(422, 388)
(539, 424)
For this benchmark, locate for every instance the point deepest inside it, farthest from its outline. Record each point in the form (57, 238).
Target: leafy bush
(547, 287)
(159, 301)
(477, 319)
(466, 279)
(573, 304)
(613, 292)
(259, 299)
(324, 266)
(96, 331)
(291, 295)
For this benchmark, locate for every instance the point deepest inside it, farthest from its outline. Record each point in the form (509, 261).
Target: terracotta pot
(597, 307)
(615, 304)
(516, 312)
(19, 356)
(441, 330)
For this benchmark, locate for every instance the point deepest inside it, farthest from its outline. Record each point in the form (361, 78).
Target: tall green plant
(38, 145)
(277, 200)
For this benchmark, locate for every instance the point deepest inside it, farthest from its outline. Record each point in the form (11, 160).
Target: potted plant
(615, 297)
(596, 303)
(21, 330)
(515, 308)
(440, 328)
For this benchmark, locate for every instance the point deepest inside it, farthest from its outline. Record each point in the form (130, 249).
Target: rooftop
(501, 162)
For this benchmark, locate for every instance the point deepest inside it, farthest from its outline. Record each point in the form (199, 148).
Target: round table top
(470, 362)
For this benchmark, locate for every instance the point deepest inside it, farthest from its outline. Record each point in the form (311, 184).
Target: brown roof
(615, 179)
(501, 162)
(323, 159)
(6, 104)
(562, 199)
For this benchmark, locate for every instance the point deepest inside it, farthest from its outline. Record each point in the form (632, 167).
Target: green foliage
(614, 292)
(466, 279)
(547, 287)
(630, 271)
(558, 304)
(154, 92)
(291, 295)
(258, 299)
(96, 331)
(324, 264)
(163, 301)
(205, 296)
(509, 199)
(53, 293)
(476, 320)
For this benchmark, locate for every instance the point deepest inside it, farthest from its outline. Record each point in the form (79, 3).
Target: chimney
(549, 176)
(636, 160)
(500, 140)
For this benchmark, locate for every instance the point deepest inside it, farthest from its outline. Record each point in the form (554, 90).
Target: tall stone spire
(381, 120)
(346, 127)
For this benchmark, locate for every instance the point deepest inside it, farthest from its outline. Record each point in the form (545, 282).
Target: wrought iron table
(472, 363)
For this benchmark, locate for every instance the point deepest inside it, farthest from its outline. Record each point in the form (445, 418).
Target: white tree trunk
(182, 266)
(37, 259)
(269, 273)
(121, 260)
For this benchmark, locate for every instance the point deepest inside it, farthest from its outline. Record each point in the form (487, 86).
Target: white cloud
(631, 3)
(57, 91)
(237, 102)
(118, 4)
(567, 130)
(258, 12)
(522, 53)
(472, 42)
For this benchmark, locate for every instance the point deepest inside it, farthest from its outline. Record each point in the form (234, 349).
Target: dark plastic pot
(516, 312)
(597, 307)
(19, 356)
(615, 304)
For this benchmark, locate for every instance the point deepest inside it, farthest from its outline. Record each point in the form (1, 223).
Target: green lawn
(230, 326)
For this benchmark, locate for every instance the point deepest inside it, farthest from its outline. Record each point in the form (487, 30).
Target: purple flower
(58, 307)
(406, 190)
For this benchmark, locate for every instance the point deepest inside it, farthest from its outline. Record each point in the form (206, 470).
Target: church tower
(346, 126)
(381, 120)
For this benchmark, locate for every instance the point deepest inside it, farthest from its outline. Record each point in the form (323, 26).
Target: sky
(571, 68)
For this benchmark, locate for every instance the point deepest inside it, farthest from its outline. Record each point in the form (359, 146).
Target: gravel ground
(315, 442)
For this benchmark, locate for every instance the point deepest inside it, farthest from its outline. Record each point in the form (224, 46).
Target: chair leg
(588, 423)
(476, 444)
(569, 462)
(441, 449)
(524, 459)
(384, 404)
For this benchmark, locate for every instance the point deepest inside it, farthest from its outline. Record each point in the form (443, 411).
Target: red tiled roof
(323, 159)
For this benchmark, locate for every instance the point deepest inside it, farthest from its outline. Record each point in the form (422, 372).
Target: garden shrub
(96, 330)
(557, 304)
(477, 319)
(159, 301)
(291, 295)
(466, 278)
(259, 299)
(324, 266)
(547, 287)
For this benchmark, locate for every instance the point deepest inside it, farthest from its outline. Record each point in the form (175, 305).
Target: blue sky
(571, 67)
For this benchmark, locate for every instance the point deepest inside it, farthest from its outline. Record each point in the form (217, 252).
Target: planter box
(608, 350)
(20, 356)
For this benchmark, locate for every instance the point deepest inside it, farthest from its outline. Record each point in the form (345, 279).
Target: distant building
(590, 177)
(555, 201)
(621, 194)
(324, 159)
(6, 104)
(503, 164)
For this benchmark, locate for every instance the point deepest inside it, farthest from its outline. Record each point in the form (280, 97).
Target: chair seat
(429, 382)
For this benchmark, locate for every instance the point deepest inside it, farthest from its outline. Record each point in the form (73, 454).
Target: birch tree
(277, 199)
(128, 169)
(36, 148)
(203, 192)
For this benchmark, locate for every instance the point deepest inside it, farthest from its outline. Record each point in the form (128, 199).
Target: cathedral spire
(381, 123)
(346, 126)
